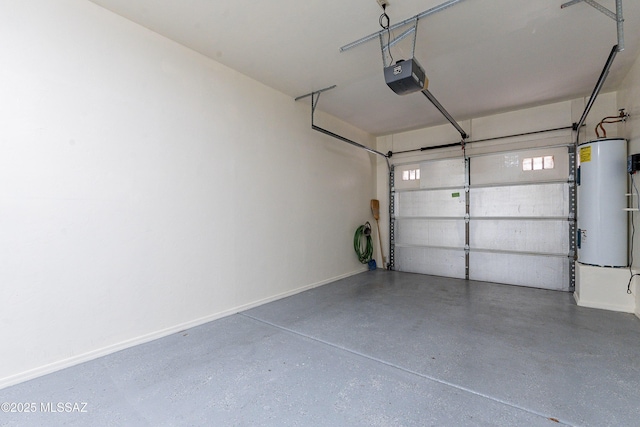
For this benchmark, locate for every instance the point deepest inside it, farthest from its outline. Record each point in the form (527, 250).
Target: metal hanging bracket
(596, 89)
(315, 97)
(317, 92)
(386, 46)
(617, 16)
(428, 12)
(402, 36)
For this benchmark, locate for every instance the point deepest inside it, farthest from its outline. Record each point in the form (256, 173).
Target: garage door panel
(434, 261)
(536, 200)
(431, 203)
(541, 236)
(443, 233)
(538, 271)
(508, 167)
(443, 173)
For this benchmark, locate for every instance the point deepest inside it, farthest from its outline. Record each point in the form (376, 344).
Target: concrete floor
(377, 349)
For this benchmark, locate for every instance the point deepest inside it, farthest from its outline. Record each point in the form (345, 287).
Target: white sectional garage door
(430, 220)
(501, 217)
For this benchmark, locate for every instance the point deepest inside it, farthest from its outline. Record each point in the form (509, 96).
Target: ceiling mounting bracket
(386, 46)
(616, 16)
(317, 92)
(315, 97)
(426, 13)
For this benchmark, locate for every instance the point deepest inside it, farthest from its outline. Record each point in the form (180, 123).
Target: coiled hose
(363, 255)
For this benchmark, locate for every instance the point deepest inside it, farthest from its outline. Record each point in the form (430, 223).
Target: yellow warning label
(585, 154)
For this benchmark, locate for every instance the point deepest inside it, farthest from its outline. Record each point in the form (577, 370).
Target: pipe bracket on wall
(616, 16)
(315, 97)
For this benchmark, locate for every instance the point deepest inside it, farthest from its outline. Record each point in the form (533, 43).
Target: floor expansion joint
(403, 369)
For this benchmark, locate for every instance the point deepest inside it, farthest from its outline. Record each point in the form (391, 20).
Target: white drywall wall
(629, 99)
(145, 188)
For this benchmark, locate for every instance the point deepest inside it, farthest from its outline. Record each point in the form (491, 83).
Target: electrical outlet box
(383, 3)
(633, 163)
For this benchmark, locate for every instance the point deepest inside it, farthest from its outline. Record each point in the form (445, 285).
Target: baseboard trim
(601, 306)
(95, 354)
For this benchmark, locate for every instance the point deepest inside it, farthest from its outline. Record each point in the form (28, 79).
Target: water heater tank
(602, 188)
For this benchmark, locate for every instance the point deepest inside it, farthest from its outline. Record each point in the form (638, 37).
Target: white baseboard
(601, 305)
(604, 288)
(94, 354)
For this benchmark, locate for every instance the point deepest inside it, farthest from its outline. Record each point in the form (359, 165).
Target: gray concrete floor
(377, 349)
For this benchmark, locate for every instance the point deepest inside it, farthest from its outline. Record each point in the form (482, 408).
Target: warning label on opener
(585, 154)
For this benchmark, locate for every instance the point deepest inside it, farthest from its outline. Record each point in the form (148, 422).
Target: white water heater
(602, 188)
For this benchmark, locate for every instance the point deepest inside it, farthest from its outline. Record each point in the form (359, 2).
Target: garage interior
(177, 239)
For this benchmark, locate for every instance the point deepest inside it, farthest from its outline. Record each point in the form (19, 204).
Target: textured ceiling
(481, 56)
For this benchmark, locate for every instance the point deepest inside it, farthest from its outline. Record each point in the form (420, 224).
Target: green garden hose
(363, 230)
